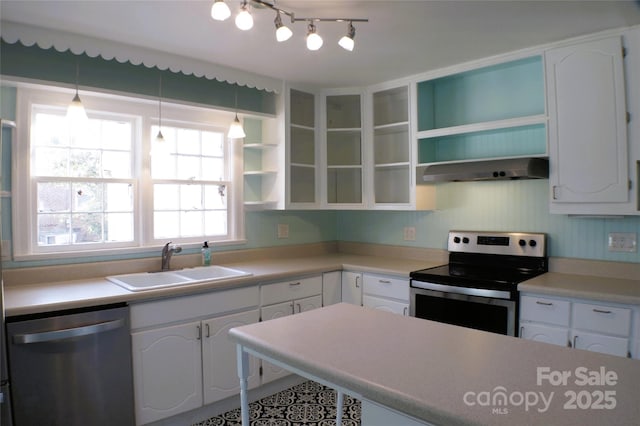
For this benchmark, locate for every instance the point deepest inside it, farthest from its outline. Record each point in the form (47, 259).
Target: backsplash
(494, 206)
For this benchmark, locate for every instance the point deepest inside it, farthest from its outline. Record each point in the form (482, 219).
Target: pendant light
(235, 130)
(76, 114)
(159, 136)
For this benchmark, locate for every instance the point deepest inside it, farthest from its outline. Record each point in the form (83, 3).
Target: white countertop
(427, 369)
(54, 296)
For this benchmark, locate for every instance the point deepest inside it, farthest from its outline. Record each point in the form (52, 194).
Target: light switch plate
(283, 230)
(623, 242)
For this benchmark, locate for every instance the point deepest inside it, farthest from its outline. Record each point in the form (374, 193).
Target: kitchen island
(416, 371)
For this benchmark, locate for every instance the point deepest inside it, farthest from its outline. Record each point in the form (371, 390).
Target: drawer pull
(575, 338)
(544, 303)
(294, 284)
(208, 331)
(601, 311)
(357, 283)
(199, 333)
(384, 281)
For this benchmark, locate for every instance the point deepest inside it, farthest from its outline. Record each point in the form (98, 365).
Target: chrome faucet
(167, 252)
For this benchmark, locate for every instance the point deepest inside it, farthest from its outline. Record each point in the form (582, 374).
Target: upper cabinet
(302, 155)
(343, 150)
(589, 171)
(495, 111)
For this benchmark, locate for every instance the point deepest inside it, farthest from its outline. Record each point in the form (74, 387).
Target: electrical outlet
(409, 233)
(283, 230)
(623, 241)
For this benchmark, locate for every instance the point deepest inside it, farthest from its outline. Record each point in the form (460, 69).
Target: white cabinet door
(220, 373)
(307, 304)
(272, 372)
(331, 288)
(587, 124)
(544, 333)
(167, 369)
(352, 287)
(600, 343)
(385, 305)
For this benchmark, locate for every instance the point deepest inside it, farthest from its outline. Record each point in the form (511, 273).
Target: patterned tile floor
(307, 404)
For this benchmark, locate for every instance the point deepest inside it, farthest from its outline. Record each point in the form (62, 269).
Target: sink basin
(154, 280)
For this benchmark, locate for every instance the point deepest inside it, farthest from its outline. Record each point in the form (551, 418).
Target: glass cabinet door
(344, 149)
(302, 176)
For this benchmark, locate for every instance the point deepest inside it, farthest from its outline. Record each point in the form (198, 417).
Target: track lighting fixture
(314, 41)
(244, 21)
(283, 33)
(220, 11)
(346, 42)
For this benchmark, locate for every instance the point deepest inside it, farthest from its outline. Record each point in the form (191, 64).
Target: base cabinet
(386, 293)
(352, 287)
(286, 298)
(592, 326)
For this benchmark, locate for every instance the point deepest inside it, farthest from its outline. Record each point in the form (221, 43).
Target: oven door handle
(482, 292)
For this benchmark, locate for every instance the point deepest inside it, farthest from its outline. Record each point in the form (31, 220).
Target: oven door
(467, 307)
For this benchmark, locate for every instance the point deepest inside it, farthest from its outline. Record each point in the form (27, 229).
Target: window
(108, 186)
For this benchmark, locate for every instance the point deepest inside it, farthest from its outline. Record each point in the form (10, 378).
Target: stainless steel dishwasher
(73, 368)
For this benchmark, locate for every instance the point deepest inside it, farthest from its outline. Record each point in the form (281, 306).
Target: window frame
(145, 114)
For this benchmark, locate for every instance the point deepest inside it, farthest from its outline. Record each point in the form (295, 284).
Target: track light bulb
(346, 42)
(314, 41)
(220, 11)
(283, 33)
(244, 20)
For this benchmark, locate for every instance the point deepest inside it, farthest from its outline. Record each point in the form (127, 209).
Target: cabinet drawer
(291, 289)
(540, 309)
(602, 318)
(380, 285)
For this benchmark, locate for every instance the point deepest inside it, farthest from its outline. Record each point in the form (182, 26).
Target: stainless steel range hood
(505, 169)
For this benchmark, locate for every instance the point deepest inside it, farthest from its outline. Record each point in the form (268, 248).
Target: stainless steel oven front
(482, 309)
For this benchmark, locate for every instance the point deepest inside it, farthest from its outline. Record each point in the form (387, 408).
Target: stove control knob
(465, 240)
(533, 243)
(456, 240)
(522, 243)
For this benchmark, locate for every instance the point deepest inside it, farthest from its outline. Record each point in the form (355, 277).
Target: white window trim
(23, 200)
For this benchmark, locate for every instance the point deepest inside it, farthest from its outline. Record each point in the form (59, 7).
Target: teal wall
(492, 205)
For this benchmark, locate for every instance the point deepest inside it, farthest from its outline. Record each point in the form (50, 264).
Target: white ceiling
(402, 38)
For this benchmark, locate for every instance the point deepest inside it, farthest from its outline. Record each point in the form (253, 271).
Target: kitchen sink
(153, 280)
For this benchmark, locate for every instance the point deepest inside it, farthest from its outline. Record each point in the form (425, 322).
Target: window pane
(118, 197)
(213, 168)
(188, 141)
(166, 197)
(216, 223)
(86, 227)
(215, 197)
(119, 227)
(116, 164)
(166, 224)
(188, 168)
(213, 144)
(116, 135)
(50, 129)
(190, 197)
(84, 163)
(191, 224)
(54, 197)
(53, 229)
(87, 197)
(50, 162)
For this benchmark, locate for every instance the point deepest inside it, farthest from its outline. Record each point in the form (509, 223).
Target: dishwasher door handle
(67, 333)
